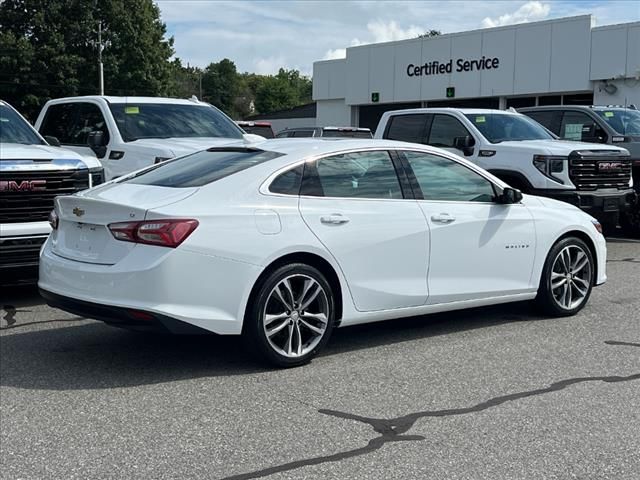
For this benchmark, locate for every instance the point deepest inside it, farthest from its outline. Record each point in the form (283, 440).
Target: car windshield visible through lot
(503, 127)
(623, 121)
(14, 129)
(167, 120)
(202, 168)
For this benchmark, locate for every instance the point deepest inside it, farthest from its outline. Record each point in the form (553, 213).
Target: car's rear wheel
(291, 317)
(567, 278)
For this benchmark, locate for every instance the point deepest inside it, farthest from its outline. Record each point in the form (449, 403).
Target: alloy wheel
(296, 315)
(571, 277)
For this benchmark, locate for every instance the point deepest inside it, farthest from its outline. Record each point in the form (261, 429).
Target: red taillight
(54, 219)
(165, 233)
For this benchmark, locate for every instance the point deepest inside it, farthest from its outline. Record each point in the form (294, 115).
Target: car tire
(291, 316)
(567, 278)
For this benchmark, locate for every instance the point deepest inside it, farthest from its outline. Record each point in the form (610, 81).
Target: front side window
(502, 127)
(407, 128)
(60, 122)
(623, 121)
(15, 129)
(546, 119)
(167, 120)
(202, 168)
(577, 126)
(444, 130)
(353, 175)
(443, 179)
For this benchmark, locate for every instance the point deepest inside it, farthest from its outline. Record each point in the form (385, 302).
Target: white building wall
(333, 113)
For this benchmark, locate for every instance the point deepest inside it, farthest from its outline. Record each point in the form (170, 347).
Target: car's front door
(479, 248)
(355, 206)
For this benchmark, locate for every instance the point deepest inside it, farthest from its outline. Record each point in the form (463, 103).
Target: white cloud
(270, 65)
(335, 54)
(530, 11)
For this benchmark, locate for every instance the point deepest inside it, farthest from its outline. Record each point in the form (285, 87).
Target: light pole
(100, 45)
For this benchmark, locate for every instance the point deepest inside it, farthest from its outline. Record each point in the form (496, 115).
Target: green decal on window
(131, 110)
(480, 119)
(608, 114)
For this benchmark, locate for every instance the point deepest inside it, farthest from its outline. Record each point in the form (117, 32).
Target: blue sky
(262, 36)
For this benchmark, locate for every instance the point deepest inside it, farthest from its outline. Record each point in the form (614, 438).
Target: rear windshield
(202, 168)
(167, 120)
(346, 134)
(265, 132)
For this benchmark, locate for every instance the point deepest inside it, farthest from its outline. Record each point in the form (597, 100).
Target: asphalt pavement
(491, 393)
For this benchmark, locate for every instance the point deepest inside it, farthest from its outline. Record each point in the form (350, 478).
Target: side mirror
(53, 141)
(97, 142)
(510, 196)
(465, 144)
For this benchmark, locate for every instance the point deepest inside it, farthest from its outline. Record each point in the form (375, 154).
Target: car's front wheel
(567, 278)
(291, 317)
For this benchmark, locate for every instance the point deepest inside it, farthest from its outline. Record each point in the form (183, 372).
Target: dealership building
(565, 61)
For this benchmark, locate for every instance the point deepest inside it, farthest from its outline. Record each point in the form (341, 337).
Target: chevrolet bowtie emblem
(78, 212)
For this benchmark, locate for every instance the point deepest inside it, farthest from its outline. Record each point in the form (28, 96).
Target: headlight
(96, 176)
(549, 164)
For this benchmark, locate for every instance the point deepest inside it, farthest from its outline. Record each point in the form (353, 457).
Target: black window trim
(417, 190)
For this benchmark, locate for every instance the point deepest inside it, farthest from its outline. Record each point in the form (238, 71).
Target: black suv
(326, 132)
(612, 124)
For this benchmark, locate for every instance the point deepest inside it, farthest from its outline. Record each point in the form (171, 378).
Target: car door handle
(443, 218)
(334, 219)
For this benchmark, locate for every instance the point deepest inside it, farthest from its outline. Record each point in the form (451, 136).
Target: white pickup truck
(32, 174)
(129, 133)
(521, 152)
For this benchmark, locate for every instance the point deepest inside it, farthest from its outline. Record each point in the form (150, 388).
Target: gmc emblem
(24, 186)
(609, 166)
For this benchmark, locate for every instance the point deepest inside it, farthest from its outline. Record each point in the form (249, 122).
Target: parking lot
(497, 392)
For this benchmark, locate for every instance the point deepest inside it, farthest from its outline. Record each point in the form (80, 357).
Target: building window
(550, 100)
(579, 99)
(520, 102)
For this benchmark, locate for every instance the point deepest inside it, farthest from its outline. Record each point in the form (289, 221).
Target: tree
(221, 85)
(287, 89)
(47, 50)
(430, 33)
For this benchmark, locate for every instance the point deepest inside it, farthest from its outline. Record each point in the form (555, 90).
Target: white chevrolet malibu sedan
(284, 241)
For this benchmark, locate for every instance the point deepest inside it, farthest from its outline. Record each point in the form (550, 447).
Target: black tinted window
(353, 175)
(288, 183)
(407, 128)
(59, 122)
(445, 180)
(203, 167)
(166, 120)
(263, 131)
(543, 118)
(346, 134)
(444, 129)
(302, 133)
(577, 126)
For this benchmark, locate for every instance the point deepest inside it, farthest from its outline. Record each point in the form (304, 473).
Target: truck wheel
(630, 221)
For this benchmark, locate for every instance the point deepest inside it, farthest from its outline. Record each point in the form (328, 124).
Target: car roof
(113, 99)
(464, 111)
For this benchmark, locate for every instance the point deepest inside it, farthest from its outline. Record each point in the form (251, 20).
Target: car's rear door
(356, 206)
(479, 248)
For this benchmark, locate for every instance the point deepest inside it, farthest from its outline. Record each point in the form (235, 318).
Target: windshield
(500, 127)
(15, 129)
(623, 121)
(203, 167)
(166, 120)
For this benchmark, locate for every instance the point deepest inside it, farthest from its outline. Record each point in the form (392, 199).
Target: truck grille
(20, 252)
(27, 196)
(596, 169)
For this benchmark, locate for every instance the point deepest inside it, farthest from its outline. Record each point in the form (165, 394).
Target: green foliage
(47, 50)
(430, 33)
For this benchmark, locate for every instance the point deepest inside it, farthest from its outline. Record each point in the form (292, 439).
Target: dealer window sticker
(608, 114)
(573, 131)
(131, 110)
(480, 119)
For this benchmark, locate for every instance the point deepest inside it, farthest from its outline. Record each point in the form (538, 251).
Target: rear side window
(543, 118)
(445, 129)
(302, 133)
(288, 183)
(407, 128)
(202, 168)
(263, 131)
(353, 175)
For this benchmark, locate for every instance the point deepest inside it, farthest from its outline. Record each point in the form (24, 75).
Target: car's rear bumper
(170, 284)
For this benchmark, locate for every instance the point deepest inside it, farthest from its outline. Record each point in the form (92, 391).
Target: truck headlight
(549, 164)
(96, 176)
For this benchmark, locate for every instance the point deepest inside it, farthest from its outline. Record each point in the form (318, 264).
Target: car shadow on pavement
(91, 355)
